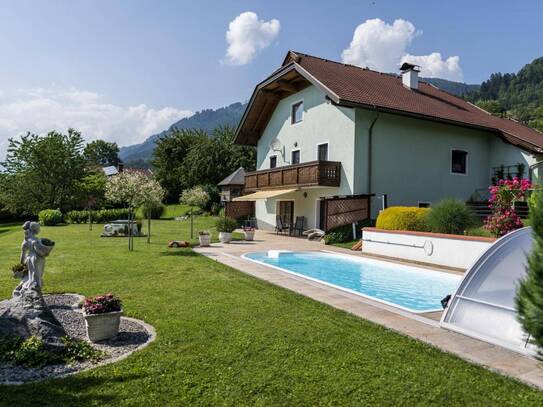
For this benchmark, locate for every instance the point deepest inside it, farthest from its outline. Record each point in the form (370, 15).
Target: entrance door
(286, 211)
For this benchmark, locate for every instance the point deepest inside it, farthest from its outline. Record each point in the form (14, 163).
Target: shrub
(50, 217)
(100, 216)
(102, 304)
(450, 216)
(403, 218)
(32, 353)
(504, 219)
(77, 350)
(156, 211)
(226, 224)
(344, 233)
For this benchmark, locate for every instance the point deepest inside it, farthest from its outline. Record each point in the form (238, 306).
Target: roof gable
(349, 85)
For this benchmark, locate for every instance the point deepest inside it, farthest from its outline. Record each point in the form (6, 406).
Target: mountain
(139, 155)
(455, 88)
(515, 95)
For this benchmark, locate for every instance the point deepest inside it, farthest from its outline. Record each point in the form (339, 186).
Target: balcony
(310, 174)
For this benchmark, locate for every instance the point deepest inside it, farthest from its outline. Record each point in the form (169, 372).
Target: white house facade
(326, 132)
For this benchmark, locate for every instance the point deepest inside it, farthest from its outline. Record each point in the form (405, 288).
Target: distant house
(232, 186)
(114, 170)
(333, 140)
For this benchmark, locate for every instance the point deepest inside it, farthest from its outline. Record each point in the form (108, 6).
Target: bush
(50, 217)
(344, 233)
(450, 216)
(100, 216)
(156, 211)
(403, 218)
(226, 224)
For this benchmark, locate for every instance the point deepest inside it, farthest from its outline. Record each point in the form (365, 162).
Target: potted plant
(205, 238)
(102, 316)
(249, 233)
(225, 226)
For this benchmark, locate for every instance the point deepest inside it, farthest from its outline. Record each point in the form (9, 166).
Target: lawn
(225, 338)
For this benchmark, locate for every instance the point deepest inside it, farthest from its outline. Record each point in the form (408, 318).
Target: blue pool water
(411, 288)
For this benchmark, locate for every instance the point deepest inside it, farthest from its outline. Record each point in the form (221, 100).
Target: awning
(263, 194)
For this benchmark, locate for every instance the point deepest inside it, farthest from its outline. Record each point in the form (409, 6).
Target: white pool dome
(484, 303)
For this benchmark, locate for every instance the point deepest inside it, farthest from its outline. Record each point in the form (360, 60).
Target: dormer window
(297, 114)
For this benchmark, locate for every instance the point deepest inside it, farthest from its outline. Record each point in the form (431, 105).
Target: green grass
(225, 338)
(346, 245)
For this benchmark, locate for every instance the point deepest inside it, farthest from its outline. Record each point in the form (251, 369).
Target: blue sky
(122, 70)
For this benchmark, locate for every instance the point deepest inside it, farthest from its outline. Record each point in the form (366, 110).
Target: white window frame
(293, 150)
(292, 122)
(464, 174)
(269, 161)
(327, 152)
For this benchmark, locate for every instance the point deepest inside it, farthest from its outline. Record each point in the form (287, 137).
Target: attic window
(297, 112)
(459, 162)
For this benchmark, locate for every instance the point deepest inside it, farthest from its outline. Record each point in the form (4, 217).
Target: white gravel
(133, 335)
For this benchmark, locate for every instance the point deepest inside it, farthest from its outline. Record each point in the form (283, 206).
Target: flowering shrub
(504, 219)
(102, 304)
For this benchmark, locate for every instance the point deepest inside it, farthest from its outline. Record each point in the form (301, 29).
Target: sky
(122, 70)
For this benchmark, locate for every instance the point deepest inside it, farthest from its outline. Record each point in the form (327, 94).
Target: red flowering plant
(502, 199)
(102, 304)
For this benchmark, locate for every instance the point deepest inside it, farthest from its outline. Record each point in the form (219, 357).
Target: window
(273, 161)
(322, 152)
(297, 112)
(459, 162)
(295, 159)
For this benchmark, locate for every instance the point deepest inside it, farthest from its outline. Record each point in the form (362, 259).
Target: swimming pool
(411, 288)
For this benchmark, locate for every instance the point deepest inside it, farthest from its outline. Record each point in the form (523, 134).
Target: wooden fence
(344, 211)
(240, 209)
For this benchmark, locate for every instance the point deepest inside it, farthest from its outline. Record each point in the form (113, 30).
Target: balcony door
(286, 211)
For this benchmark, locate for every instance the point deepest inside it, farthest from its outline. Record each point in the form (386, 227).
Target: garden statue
(26, 314)
(33, 253)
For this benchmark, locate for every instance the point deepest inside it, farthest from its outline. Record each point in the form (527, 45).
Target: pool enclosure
(484, 303)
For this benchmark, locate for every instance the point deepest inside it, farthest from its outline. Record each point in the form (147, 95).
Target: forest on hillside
(517, 96)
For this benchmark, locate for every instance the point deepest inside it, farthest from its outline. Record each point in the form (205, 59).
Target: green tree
(43, 172)
(529, 298)
(194, 197)
(102, 153)
(168, 157)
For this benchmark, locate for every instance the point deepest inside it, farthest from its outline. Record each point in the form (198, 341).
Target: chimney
(410, 75)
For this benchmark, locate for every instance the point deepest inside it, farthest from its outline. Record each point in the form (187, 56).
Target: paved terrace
(424, 327)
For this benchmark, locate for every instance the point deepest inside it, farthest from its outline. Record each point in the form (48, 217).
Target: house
(232, 186)
(335, 143)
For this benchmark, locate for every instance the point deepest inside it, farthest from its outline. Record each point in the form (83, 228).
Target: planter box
(102, 326)
(249, 235)
(205, 240)
(456, 251)
(225, 237)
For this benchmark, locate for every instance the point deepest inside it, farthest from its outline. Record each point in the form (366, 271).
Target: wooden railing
(314, 173)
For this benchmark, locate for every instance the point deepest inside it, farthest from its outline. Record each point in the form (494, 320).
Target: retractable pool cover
(484, 303)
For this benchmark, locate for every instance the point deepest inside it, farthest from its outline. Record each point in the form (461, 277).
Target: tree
(43, 172)
(152, 196)
(194, 197)
(127, 188)
(102, 153)
(529, 299)
(92, 190)
(168, 157)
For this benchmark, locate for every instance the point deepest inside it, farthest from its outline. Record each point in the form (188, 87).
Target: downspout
(370, 154)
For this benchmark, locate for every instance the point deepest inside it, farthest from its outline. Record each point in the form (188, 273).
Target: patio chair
(280, 226)
(298, 226)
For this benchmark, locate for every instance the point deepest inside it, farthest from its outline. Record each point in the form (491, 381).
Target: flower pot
(225, 237)
(249, 234)
(205, 240)
(103, 326)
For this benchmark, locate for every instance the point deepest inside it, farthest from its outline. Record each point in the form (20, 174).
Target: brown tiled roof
(350, 85)
(366, 87)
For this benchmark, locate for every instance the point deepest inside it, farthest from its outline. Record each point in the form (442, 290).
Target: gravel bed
(133, 335)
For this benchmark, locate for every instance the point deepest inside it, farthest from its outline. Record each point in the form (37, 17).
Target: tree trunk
(191, 224)
(149, 226)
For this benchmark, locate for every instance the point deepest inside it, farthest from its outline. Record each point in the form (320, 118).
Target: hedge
(403, 218)
(50, 217)
(100, 216)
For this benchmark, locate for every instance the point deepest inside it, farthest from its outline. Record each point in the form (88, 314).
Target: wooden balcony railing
(314, 173)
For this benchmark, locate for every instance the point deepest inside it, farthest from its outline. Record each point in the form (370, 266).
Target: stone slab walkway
(419, 326)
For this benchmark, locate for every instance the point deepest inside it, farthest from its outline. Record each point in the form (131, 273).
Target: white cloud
(40, 110)
(247, 35)
(383, 47)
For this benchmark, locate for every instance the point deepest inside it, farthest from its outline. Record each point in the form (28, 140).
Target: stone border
(149, 328)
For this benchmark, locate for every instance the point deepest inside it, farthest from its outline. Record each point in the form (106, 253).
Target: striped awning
(272, 193)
